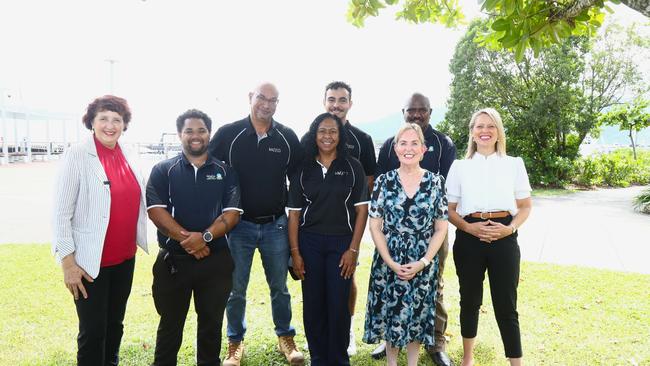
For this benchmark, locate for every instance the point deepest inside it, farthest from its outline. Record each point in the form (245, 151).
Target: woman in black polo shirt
(328, 210)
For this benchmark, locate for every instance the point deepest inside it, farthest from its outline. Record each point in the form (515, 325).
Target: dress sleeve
(522, 185)
(452, 184)
(377, 201)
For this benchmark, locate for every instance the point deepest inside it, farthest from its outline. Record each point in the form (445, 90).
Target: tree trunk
(633, 144)
(642, 6)
(573, 10)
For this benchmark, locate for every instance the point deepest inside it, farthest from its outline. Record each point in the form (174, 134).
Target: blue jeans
(272, 241)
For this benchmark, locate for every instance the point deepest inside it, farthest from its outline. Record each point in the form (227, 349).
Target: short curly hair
(193, 113)
(107, 103)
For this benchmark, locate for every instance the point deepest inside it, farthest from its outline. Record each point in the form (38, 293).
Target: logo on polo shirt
(340, 172)
(217, 176)
(349, 146)
(275, 149)
(430, 148)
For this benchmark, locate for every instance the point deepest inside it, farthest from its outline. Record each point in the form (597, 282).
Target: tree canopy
(549, 103)
(515, 25)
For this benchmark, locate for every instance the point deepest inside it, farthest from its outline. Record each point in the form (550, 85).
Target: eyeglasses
(418, 110)
(263, 99)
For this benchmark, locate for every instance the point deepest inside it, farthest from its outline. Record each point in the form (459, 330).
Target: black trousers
(501, 259)
(325, 294)
(210, 280)
(102, 313)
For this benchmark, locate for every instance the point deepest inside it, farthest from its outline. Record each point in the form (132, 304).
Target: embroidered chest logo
(349, 146)
(217, 176)
(340, 172)
(275, 150)
(430, 148)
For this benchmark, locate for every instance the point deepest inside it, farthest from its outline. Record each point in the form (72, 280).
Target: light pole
(111, 63)
(5, 140)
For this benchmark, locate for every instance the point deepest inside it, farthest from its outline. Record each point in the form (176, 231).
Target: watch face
(207, 236)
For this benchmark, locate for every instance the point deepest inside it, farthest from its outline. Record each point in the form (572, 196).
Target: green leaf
(500, 25)
(509, 6)
(520, 50)
(490, 4)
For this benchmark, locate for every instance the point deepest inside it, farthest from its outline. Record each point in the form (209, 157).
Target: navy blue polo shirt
(328, 201)
(262, 165)
(440, 154)
(195, 197)
(360, 147)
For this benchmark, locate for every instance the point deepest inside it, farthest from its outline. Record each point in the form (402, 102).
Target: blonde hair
(501, 133)
(409, 126)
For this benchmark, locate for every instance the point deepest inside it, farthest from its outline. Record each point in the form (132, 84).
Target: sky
(171, 56)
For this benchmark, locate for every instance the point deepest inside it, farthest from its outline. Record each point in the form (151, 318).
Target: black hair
(193, 113)
(338, 85)
(311, 149)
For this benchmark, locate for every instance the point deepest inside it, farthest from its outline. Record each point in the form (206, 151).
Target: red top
(119, 243)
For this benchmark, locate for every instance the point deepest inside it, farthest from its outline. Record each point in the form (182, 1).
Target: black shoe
(379, 352)
(440, 359)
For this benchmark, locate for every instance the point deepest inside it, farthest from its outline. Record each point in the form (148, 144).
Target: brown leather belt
(489, 215)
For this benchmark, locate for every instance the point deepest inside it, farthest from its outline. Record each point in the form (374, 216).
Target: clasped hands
(488, 231)
(406, 272)
(193, 244)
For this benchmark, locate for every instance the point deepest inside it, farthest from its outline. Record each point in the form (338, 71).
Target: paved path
(596, 228)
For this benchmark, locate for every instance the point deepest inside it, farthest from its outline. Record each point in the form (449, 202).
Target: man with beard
(194, 201)
(440, 154)
(263, 152)
(338, 101)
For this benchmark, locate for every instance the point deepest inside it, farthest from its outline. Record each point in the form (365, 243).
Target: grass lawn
(551, 192)
(568, 315)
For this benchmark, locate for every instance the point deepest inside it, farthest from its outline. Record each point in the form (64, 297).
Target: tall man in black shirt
(262, 152)
(440, 154)
(338, 101)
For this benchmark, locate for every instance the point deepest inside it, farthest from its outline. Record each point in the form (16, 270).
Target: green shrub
(642, 201)
(615, 169)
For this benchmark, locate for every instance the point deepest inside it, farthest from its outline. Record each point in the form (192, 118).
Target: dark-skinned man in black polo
(194, 201)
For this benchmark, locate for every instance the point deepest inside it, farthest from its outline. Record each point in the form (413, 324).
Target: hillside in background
(386, 127)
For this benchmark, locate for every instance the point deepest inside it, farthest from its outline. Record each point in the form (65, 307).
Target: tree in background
(512, 24)
(549, 103)
(631, 117)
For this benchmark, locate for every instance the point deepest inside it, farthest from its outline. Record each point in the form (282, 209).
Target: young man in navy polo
(194, 201)
(441, 152)
(263, 152)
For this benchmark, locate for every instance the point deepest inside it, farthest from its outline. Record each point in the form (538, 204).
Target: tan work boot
(288, 348)
(235, 353)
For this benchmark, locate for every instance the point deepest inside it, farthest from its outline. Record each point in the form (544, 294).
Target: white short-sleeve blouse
(487, 184)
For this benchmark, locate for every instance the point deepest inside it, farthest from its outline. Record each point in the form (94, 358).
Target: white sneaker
(352, 347)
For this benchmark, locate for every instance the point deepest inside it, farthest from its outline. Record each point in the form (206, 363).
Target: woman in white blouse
(489, 199)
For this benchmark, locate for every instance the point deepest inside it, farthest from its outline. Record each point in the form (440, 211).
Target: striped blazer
(82, 206)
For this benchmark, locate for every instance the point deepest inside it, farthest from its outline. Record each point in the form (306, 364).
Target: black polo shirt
(262, 166)
(194, 197)
(328, 203)
(360, 147)
(441, 152)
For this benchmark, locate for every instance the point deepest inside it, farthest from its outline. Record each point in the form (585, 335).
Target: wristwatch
(514, 229)
(207, 236)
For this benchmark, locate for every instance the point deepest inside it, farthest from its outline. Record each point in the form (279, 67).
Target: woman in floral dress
(408, 222)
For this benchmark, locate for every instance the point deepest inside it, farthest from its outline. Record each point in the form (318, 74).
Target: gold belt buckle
(489, 215)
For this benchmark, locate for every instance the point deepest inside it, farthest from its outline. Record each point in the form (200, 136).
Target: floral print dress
(399, 311)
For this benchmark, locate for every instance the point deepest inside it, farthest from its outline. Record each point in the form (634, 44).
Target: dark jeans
(210, 280)
(501, 259)
(102, 313)
(325, 293)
